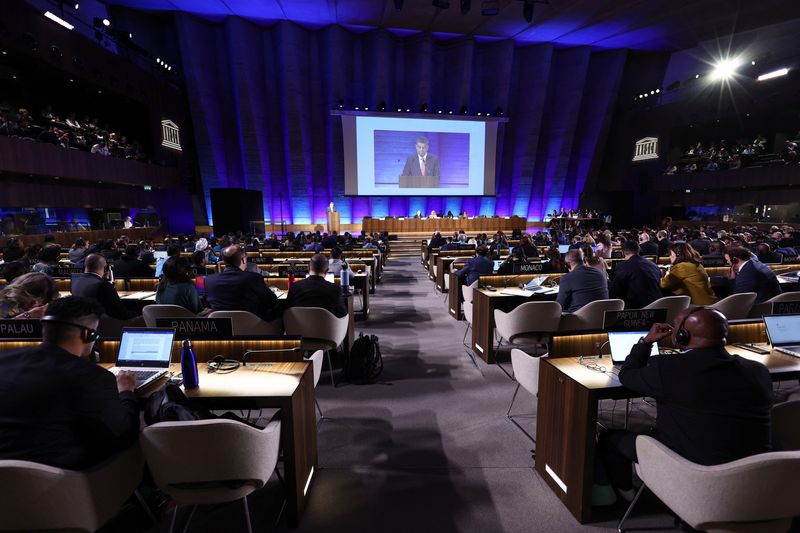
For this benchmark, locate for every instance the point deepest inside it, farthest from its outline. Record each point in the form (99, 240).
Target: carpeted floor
(429, 448)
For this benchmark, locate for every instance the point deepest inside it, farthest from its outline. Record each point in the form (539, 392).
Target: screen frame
(139, 363)
(349, 117)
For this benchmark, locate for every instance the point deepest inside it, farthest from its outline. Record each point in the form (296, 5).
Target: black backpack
(364, 363)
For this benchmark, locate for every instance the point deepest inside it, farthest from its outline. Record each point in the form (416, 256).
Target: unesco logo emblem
(170, 135)
(645, 149)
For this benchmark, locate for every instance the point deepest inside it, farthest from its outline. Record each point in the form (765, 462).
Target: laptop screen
(563, 248)
(783, 330)
(145, 347)
(621, 343)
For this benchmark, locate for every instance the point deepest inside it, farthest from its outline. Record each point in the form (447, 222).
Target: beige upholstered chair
(155, 311)
(526, 374)
(673, 305)
(735, 306)
(37, 496)
(246, 323)
(529, 323)
(235, 459)
(754, 494)
(786, 426)
(466, 307)
(590, 316)
(319, 328)
(316, 362)
(765, 308)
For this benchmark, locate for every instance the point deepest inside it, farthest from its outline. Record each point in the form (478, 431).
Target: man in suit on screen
(422, 163)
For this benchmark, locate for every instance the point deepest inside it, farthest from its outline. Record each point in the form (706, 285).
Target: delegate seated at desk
(316, 291)
(712, 407)
(478, 266)
(94, 284)
(236, 289)
(582, 285)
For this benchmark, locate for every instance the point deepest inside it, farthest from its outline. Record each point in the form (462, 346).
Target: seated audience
(94, 284)
(337, 262)
(316, 291)
(712, 407)
(236, 289)
(56, 406)
(687, 276)
(48, 260)
(636, 279)
(582, 285)
(173, 250)
(527, 247)
(716, 250)
(662, 239)
(78, 250)
(368, 243)
(130, 266)
(767, 255)
(556, 263)
(13, 270)
(592, 260)
(27, 296)
(480, 265)
(176, 286)
(604, 246)
(700, 242)
(749, 275)
(516, 257)
(14, 249)
(646, 246)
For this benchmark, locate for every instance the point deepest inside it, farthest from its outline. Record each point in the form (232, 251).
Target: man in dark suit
(582, 285)
(713, 407)
(646, 246)
(315, 291)
(56, 406)
(422, 163)
(636, 280)
(480, 265)
(129, 265)
(236, 289)
(94, 284)
(748, 274)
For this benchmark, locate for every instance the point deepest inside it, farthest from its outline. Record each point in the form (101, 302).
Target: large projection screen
(394, 154)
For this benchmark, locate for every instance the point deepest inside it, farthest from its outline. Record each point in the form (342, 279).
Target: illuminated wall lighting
(774, 74)
(58, 20)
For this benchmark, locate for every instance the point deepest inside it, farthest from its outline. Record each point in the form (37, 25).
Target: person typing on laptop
(56, 406)
(712, 407)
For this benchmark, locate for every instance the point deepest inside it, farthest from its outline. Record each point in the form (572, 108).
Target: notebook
(784, 333)
(145, 352)
(621, 343)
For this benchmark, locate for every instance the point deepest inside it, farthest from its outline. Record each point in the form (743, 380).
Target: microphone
(248, 352)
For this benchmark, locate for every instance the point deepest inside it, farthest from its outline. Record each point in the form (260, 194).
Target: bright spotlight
(106, 22)
(725, 69)
(774, 74)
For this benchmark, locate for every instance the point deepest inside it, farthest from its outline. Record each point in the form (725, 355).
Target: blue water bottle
(344, 278)
(191, 379)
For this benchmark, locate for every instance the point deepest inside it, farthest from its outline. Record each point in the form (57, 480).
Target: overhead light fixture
(77, 6)
(490, 8)
(58, 20)
(725, 69)
(774, 74)
(106, 23)
(466, 5)
(441, 4)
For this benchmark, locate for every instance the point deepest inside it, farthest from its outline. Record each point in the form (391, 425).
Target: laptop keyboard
(788, 352)
(140, 375)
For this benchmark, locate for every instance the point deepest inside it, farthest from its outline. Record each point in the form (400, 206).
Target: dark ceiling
(636, 24)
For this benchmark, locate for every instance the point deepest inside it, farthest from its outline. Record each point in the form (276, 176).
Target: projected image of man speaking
(422, 163)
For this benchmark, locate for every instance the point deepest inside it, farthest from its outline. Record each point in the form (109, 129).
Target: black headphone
(682, 336)
(220, 365)
(88, 335)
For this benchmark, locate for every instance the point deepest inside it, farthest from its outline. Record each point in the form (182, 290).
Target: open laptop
(145, 352)
(535, 283)
(783, 332)
(621, 343)
(563, 248)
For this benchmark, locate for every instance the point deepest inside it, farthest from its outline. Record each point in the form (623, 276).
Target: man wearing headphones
(712, 407)
(59, 408)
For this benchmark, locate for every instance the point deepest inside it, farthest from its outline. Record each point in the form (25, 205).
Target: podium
(418, 182)
(333, 221)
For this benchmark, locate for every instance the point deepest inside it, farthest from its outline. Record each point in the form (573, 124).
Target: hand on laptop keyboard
(126, 381)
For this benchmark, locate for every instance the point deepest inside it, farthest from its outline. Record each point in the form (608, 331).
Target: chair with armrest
(590, 316)
(316, 362)
(735, 306)
(765, 308)
(673, 305)
(153, 312)
(526, 374)
(730, 497)
(245, 323)
(529, 323)
(466, 307)
(37, 496)
(319, 329)
(786, 426)
(235, 460)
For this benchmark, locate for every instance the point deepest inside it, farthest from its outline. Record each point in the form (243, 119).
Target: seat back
(786, 426)
(316, 361)
(466, 291)
(37, 496)
(736, 306)
(590, 316)
(765, 308)
(198, 462)
(315, 323)
(246, 323)
(526, 370)
(723, 494)
(673, 305)
(153, 312)
(530, 317)
(467, 308)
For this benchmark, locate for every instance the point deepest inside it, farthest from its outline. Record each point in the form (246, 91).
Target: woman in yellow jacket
(687, 275)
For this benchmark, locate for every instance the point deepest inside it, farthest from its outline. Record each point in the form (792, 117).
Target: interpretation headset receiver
(221, 365)
(682, 336)
(88, 335)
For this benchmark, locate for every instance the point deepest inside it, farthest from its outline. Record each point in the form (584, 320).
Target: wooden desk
(567, 420)
(286, 386)
(431, 225)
